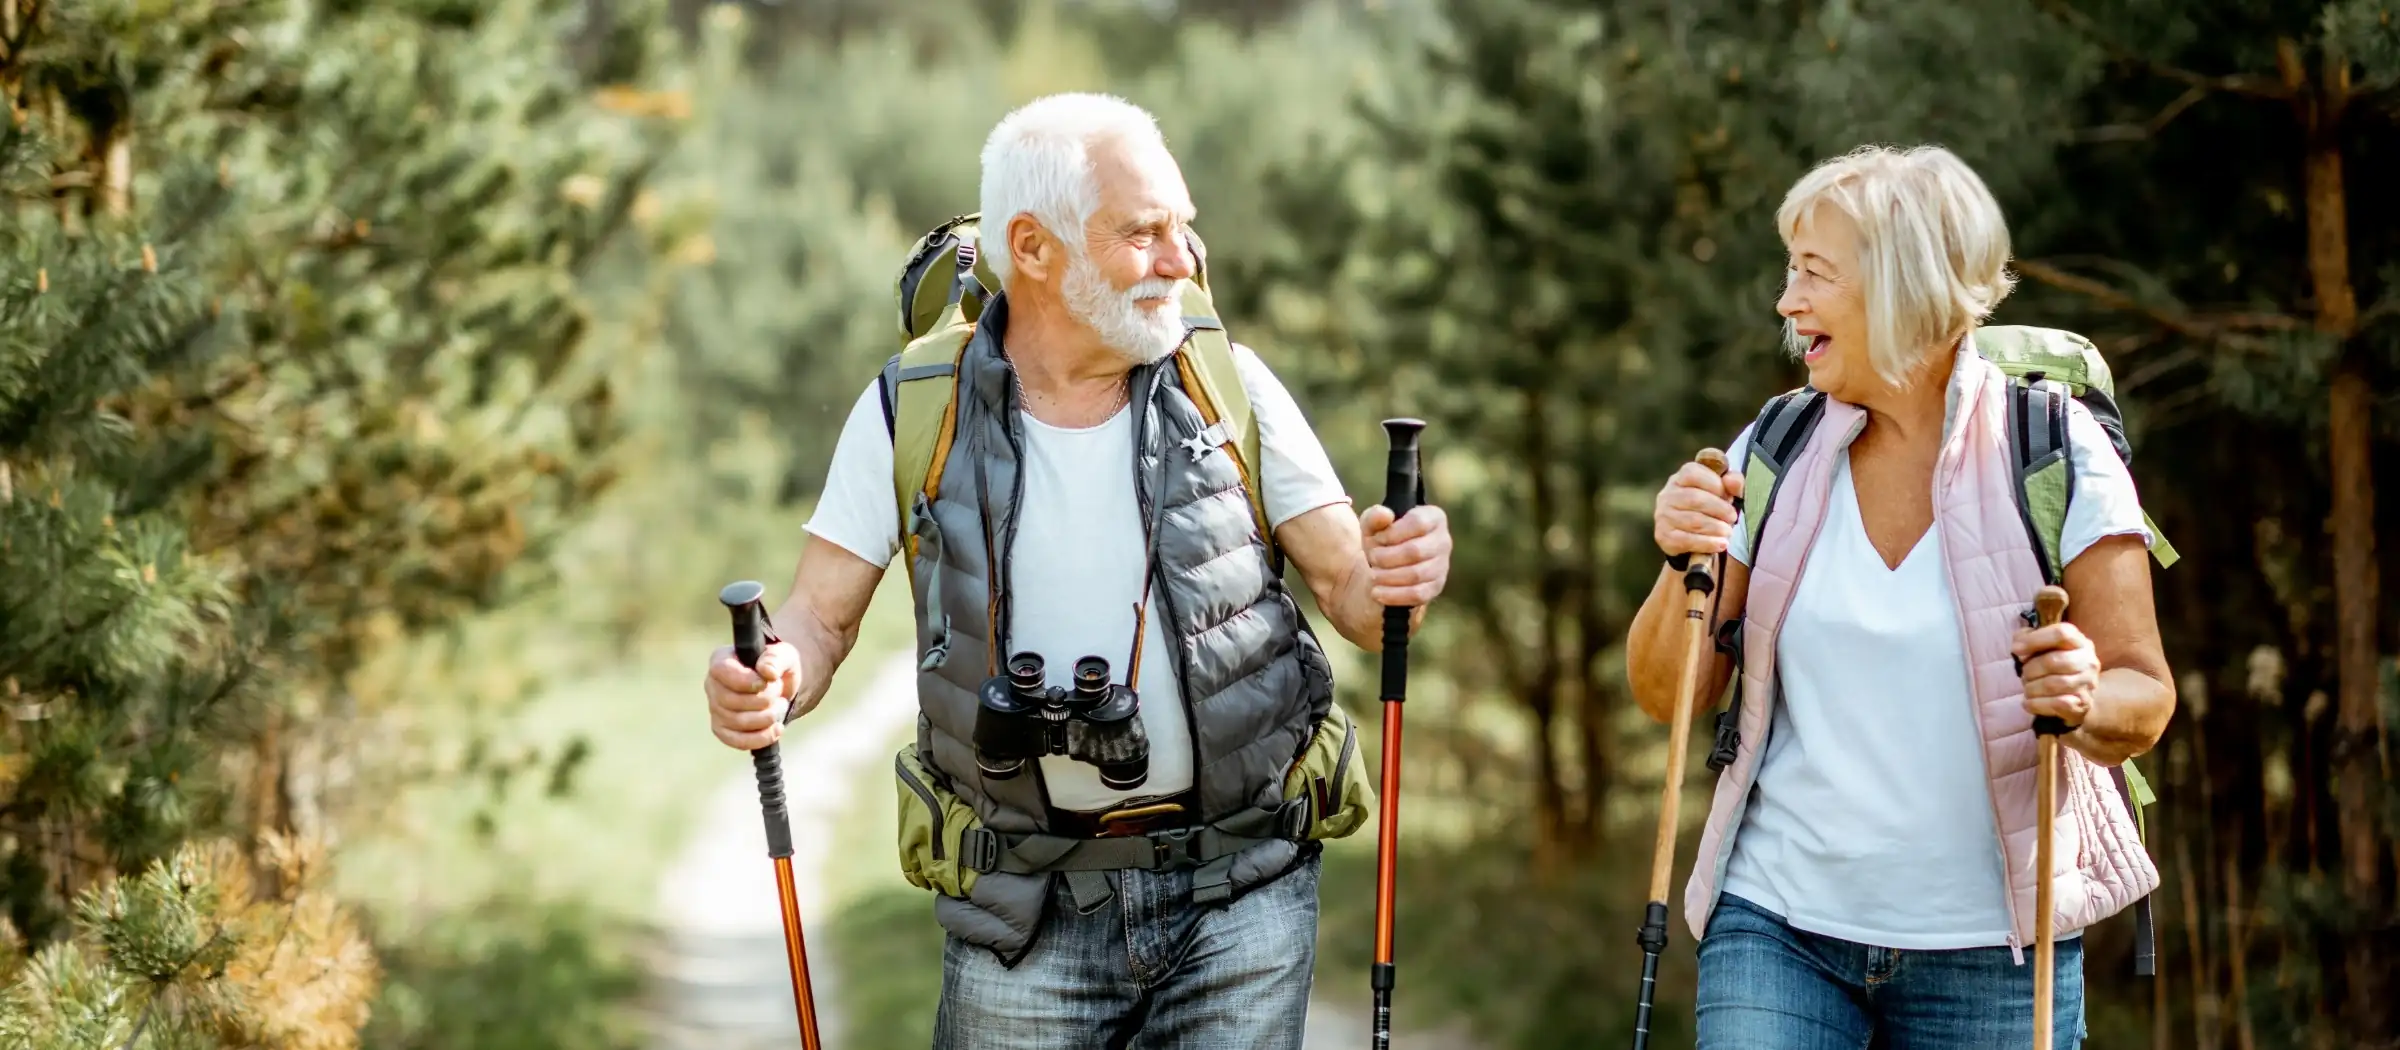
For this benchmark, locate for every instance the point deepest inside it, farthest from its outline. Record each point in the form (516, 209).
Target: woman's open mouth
(1817, 346)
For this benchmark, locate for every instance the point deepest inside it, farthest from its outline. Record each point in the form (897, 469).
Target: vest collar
(989, 374)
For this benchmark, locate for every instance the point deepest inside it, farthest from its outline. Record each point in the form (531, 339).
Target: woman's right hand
(1694, 513)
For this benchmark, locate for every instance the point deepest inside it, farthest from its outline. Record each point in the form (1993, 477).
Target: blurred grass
(509, 875)
(880, 932)
(511, 910)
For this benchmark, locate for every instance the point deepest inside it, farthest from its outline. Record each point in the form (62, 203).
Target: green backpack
(941, 291)
(2046, 367)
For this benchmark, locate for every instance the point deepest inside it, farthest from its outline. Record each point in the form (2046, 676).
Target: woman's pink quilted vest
(2102, 866)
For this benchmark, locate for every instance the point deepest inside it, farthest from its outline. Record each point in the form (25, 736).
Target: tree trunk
(2204, 986)
(2349, 440)
(116, 167)
(1550, 843)
(1596, 632)
(2237, 947)
(267, 782)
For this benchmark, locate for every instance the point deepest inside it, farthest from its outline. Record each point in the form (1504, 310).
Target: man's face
(1127, 282)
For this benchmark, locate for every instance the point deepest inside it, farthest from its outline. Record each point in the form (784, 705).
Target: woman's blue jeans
(1766, 986)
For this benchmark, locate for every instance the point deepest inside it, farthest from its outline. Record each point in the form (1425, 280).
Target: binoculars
(1020, 718)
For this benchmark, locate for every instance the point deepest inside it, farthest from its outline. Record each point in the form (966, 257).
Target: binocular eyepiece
(1021, 717)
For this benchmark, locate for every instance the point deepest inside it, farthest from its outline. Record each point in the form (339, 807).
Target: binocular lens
(1091, 676)
(1025, 671)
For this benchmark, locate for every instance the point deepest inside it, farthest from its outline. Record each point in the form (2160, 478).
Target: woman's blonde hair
(1932, 246)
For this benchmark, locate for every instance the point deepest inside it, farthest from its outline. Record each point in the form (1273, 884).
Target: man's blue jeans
(1766, 985)
(1146, 969)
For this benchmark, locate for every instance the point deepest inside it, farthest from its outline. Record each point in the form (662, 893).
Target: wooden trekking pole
(2049, 606)
(751, 636)
(1698, 585)
(1402, 491)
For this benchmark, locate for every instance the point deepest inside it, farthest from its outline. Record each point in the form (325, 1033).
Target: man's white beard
(1143, 336)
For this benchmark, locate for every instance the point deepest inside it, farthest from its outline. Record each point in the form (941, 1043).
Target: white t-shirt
(1871, 820)
(1077, 564)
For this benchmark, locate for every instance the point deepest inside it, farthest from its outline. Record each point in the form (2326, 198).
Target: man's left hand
(1410, 557)
(2062, 671)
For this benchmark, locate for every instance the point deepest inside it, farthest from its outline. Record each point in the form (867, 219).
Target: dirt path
(720, 969)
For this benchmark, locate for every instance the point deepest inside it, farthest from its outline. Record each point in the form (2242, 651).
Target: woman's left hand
(2061, 671)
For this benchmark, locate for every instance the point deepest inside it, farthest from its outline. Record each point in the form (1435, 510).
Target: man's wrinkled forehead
(1140, 185)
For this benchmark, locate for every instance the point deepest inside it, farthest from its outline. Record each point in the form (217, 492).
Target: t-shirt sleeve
(1737, 460)
(2105, 503)
(855, 511)
(1295, 474)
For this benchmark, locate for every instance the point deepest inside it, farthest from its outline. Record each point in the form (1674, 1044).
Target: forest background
(386, 386)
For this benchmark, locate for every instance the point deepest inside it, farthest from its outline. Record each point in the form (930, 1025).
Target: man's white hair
(1038, 162)
(1932, 247)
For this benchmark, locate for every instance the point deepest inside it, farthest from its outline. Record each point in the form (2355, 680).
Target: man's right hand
(746, 707)
(1694, 513)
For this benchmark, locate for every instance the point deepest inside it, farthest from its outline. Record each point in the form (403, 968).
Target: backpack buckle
(1172, 849)
(1296, 816)
(979, 849)
(1728, 743)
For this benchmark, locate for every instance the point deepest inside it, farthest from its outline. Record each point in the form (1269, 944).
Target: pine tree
(294, 362)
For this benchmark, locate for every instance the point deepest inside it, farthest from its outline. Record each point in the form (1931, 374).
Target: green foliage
(294, 362)
(198, 950)
(510, 973)
(890, 953)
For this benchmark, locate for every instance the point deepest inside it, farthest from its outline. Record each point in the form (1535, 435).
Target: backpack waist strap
(1208, 847)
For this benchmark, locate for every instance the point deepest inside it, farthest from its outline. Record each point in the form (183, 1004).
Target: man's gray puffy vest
(1254, 679)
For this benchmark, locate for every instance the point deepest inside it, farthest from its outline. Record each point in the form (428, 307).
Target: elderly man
(1081, 508)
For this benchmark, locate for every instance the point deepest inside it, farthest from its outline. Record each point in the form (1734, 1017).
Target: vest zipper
(1165, 592)
(1016, 503)
(1003, 604)
(1966, 642)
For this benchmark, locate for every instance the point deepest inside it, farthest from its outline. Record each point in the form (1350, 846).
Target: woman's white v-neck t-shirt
(1871, 819)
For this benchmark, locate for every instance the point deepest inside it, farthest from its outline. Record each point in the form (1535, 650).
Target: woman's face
(1826, 304)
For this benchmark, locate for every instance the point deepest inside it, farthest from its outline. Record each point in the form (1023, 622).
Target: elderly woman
(1866, 873)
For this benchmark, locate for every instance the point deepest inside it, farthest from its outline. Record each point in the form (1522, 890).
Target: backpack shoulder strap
(1778, 433)
(2045, 474)
(1214, 382)
(2045, 469)
(920, 412)
(1776, 436)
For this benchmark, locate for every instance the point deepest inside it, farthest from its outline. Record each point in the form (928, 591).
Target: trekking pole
(2049, 605)
(1698, 584)
(751, 635)
(1402, 490)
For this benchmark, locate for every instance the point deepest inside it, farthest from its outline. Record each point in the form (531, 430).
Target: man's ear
(1032, 251)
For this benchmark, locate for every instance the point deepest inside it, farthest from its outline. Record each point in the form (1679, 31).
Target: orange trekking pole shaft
(1403, 490)
(751, 636)
(2049, 606)
(1699, 584)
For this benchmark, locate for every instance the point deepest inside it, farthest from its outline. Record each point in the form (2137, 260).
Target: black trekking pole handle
(751, 636)
(752, 633)
(1403, 490)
